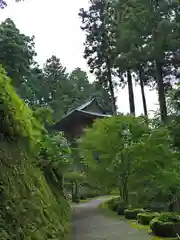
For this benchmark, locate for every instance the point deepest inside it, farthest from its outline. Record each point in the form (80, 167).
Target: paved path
(88, 223)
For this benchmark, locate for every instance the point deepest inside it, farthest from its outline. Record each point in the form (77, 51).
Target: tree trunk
(120, 192)
(126, 198)
(143, 93)
(111, 88)
(161, 92)
(124, 192)
(131, 93)
(75, 192)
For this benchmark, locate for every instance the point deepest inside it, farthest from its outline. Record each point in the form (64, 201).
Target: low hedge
(121, 208)
(146, 217)
(132, 213)
(166, 225)
(113, 203)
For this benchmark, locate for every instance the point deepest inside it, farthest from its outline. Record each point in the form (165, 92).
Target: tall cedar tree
(156, 23)
(130, 55)
(98, 45)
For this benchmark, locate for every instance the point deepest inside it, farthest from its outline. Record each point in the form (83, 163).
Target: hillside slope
(28, 208)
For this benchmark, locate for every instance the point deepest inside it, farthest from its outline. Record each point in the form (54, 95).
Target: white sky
(56, 27)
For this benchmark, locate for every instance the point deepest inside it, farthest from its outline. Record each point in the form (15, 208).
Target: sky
(56, 28)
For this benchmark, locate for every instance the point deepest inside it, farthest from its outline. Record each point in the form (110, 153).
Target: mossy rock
(132, 213)
(146, 217)
(166, 225)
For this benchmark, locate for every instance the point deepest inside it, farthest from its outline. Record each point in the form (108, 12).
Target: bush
(121, 208)
(116, 205)
(145, 218)
(113, 204)
(89, 194)
(132, 213)
(166, 225)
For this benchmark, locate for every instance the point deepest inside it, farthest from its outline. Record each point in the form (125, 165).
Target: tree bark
(161, 92)
(75, 192)
(143, 92)
(131, 93)
(111, 88)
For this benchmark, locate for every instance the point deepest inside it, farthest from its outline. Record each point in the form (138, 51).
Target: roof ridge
(86, 104)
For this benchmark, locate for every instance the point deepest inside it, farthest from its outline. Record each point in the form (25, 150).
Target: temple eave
(76, 116)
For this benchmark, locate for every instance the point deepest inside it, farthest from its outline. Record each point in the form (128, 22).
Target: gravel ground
(88, 223)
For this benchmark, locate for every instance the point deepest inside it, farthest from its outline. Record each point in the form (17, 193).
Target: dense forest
(36, 165)
(52, 86)
(127, 42)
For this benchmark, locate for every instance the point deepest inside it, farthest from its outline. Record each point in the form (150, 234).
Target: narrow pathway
(89, 223)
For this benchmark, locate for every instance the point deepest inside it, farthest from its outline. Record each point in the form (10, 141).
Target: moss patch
(28, 208)
(135, 224)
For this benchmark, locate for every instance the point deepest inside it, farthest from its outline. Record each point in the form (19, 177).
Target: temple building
(76, 120)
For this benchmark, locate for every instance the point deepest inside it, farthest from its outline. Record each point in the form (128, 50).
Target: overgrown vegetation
(140, 160)
(30, 207)
(145, 218)
(126, 41)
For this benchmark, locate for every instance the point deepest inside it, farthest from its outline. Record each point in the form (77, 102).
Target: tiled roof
(81, 111)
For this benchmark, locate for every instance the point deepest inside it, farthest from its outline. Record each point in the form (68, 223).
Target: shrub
(113, 203)
(132, 213)
(121, 208)
(116, 205)
(89, 193)
(166, 225)
(145, 218)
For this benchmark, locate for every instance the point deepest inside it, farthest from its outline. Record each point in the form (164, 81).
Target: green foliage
(55, 160)
(116, 205)
(44, 115)
(133, 39)
(97, 22)
(50, 87)
(17, 52)
(113, 139)
(145, 218)
(117, 150)
(29, 209)
(17, 119)
(132, 213)
(90, 193)
(166, 225)
(55, 152)
(113, 203)
(122, 206)
(75, 176)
